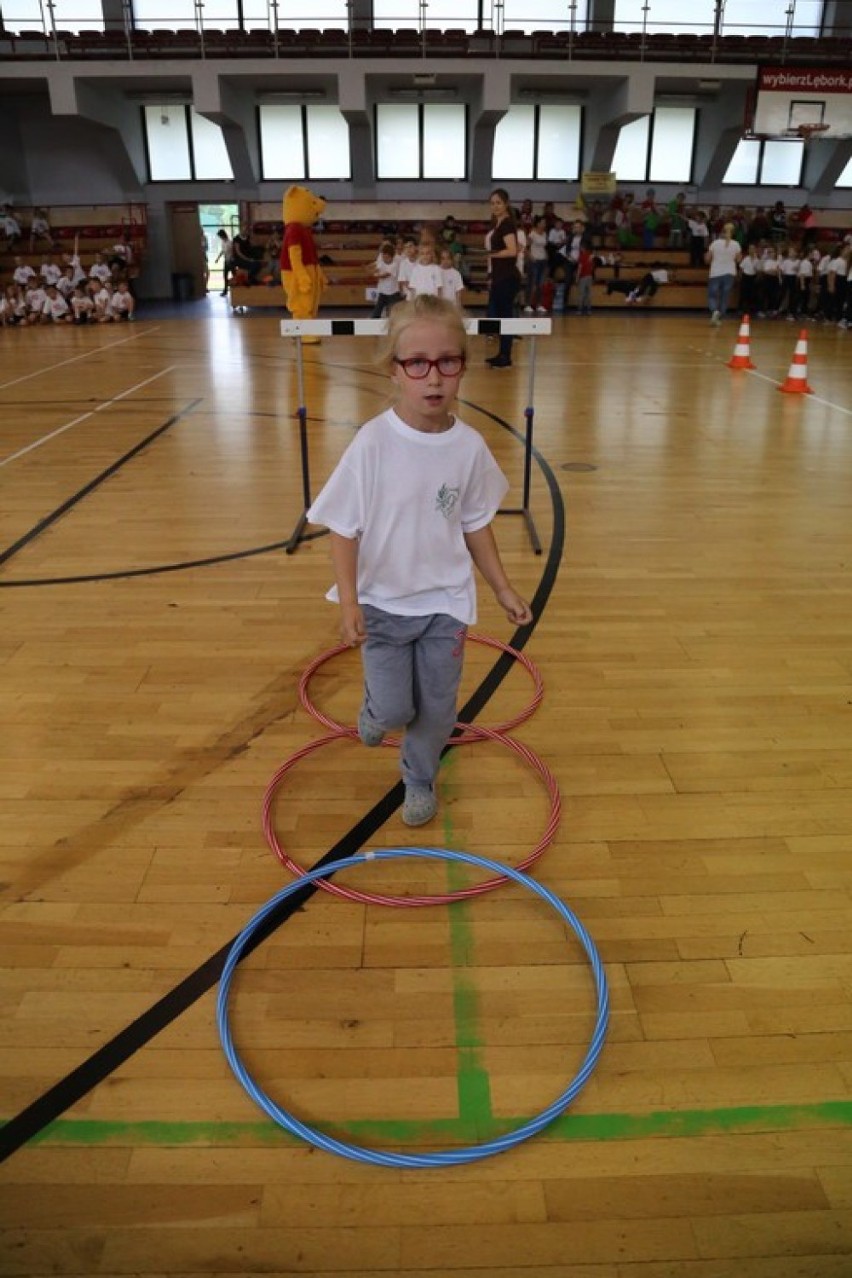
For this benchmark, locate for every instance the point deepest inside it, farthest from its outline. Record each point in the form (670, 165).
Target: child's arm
(486, 556)
(344, 559)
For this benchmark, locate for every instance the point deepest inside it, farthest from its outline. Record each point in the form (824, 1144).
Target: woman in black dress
(501, 247)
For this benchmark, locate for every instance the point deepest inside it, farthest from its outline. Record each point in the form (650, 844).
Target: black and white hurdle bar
(511, 327)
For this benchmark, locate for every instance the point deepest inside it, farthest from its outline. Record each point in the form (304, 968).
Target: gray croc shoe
(421, 804)
(370, 733)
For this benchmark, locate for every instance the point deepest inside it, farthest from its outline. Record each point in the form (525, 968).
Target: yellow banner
(597, 183)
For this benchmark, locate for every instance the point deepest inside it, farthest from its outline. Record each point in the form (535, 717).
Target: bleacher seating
(410, 43)
(96, 228)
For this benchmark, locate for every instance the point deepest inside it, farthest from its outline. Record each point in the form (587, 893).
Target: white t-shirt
(409, 497)
(99, 271)
(386, 281)
(23, 274)
(537, 246)
(57, 307)
(724, 255)
(403, 274)
(451, 283)
(425, 278)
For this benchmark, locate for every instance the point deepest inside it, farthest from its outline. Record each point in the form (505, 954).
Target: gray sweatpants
(412, 671)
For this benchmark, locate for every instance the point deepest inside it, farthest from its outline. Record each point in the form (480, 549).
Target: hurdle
(531, 328)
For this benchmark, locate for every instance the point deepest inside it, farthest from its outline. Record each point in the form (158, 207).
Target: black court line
(38, 1115)
(92, 484)
(152, 571)
(209, 561)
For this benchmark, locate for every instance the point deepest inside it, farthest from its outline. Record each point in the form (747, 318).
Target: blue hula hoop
(446, 1158)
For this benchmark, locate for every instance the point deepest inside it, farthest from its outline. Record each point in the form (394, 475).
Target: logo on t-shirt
(447, 500)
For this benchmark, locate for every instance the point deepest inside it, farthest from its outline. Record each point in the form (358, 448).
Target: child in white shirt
(452, 284)
(35, 298)
(407, 263)
(102, 299)
(789, 269)
(9, 226)
(802, 288)
(99, 269)
(386, 271)
(770, 275)
(15, 305)
(23, 273)
(49, 271)
(425, 274)
(40, 229)
(82, 306)
(65, 283)
(56, 308)
(409, 508)
(123, 303)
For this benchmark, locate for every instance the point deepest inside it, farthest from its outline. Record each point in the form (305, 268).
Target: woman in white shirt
(722, 257)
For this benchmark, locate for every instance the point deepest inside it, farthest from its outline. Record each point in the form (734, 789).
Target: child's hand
(516, 608)
(353, 631)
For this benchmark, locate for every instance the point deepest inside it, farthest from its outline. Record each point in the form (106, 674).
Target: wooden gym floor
(694, 633)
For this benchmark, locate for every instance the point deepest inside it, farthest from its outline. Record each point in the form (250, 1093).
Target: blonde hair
(425, 306)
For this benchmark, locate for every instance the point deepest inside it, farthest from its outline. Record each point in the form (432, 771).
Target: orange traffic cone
(741, 357)
(797, 377)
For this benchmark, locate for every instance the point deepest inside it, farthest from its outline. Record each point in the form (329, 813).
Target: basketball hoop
(807, 132)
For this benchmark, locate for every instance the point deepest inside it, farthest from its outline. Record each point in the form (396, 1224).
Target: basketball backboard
(802, 102)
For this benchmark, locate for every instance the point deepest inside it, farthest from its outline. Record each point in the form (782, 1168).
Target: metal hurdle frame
(511, 327)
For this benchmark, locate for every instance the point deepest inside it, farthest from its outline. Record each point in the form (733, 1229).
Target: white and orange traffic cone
(797, 377)
(741, 357)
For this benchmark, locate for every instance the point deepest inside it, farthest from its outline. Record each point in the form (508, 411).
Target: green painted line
(473, 1082)
(742, 1119)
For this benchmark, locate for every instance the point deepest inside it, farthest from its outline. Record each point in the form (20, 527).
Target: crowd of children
(781, 269)
(797, 283)
(406, 268)
(548, 263)
(64, 291)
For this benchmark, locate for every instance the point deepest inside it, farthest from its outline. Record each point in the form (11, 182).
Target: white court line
(814, 399)
(96, 351)
(109, 403)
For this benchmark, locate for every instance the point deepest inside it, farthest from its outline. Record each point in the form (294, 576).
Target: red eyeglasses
(418, 367)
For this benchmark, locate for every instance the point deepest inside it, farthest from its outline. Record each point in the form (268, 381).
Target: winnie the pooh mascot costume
(301, 274)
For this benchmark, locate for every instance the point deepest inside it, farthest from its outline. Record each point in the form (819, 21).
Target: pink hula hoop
(467, 733)
(369, 898)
